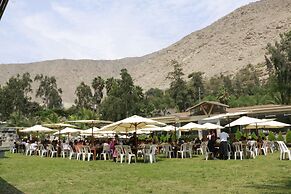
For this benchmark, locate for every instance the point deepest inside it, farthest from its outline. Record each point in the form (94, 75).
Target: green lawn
(32, 174)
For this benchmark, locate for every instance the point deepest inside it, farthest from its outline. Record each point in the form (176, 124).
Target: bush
(262, 135)
(288, 136)
(254, 136)
(238, 135)
(280, 137)
(271, 136)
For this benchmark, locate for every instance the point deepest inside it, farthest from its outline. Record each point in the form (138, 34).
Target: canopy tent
(38, 129)
(242, 121)
(266, 124)
(192, 126)
(212, 126)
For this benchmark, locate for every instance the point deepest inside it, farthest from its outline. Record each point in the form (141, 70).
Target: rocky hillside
(225, 46)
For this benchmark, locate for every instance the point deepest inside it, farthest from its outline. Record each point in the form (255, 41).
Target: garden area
(33, 174)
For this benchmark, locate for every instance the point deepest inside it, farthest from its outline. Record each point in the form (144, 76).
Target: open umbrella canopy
(244, 121)
(192, 126)
(68, 130)
(93, 130)
(168, 128)
(131, 123)
(37, 128)
(91, 121)
(266, 124)
(212, 126)
(58, 125)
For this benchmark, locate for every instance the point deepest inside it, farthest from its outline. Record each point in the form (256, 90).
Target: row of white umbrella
(142, 125)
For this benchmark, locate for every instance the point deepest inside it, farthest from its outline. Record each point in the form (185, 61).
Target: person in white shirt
(223, 144)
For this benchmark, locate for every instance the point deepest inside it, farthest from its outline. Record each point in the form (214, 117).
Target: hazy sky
(35, 30)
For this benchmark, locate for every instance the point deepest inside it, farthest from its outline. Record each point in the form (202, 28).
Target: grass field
(32, 174)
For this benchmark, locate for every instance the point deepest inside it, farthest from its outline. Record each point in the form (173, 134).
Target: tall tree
(196, 86)
(48, 91)
(123, 98)
(98, 85)
(278, 61)
(178, 88)
(14, 96)
(84, 96)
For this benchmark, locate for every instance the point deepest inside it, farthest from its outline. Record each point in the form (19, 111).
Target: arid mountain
(225, 46)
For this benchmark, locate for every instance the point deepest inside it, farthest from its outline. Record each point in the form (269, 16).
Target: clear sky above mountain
(34, 30)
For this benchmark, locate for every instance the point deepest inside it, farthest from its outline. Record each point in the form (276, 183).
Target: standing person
(223, 144)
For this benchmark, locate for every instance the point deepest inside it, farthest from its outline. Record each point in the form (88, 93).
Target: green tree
(196, 86)
(288, 136)
(98, 85)
(84, 96)
(14, 96)
(271, 136)
(278, 61)
(159, 102)
(48, 91)
(124, 99)
(246, 81)
(280, 137)
(178, 88)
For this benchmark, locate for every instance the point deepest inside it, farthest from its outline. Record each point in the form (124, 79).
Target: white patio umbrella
(266, 124)
(212, 126)
(169, 128)
(37, 128)
(244, 121)
(192, 126)
(92, 122)
(131, 123)
(68, 130)
(93, 130)
(58, 126)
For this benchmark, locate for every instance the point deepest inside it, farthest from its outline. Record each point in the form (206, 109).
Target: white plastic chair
(65, 149)
(189, 149)
(72, 153)
(168, 150)
(284, 151)
(238, 150)
(150, 154)
(251, 150)
(79, 152)
(52, 150)
(264, 147)
(271, 146)
(42, 151)
(205, 151)
(182, 151)
(105, 152)
(120, 153)
(86, 153)
(128, 154)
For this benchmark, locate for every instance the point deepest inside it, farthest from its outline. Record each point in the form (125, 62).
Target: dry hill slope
(225, 46)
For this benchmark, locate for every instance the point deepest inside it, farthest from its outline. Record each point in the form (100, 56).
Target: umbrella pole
(135, 126)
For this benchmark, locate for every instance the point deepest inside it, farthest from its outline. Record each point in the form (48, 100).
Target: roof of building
(207, 102)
